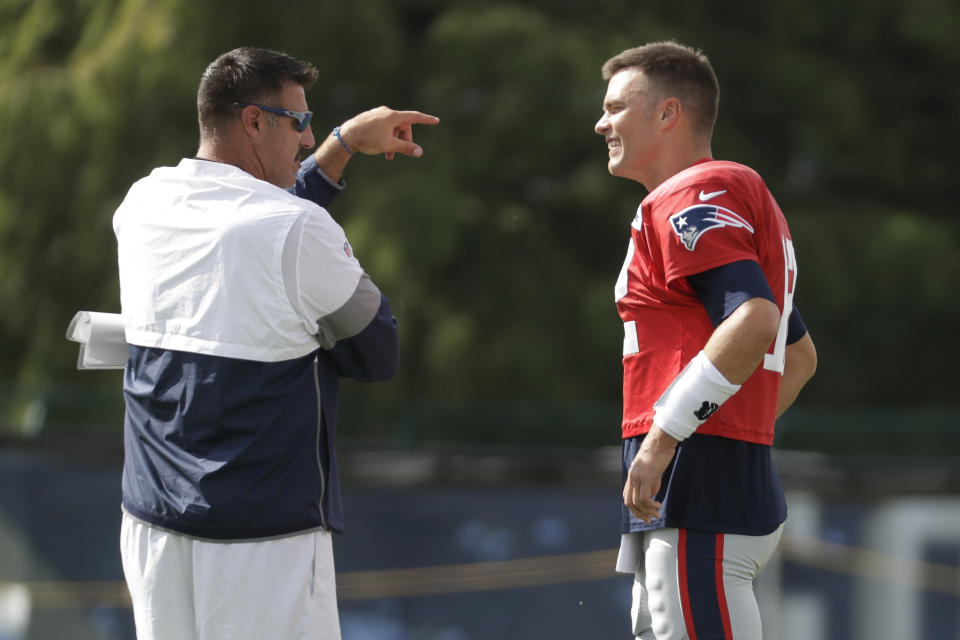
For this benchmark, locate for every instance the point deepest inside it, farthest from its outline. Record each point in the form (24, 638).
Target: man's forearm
(737, 345)
(801, 363)
(332, 158)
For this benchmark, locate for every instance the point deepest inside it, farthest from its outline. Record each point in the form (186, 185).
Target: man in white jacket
(243, 303)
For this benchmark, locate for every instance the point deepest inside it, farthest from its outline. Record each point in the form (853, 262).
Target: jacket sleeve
(373, 354)
(337, 300)
(313, 185)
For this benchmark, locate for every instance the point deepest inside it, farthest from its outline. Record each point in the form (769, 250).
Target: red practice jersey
(706, 216)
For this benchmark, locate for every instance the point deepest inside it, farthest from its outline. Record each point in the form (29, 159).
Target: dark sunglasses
(302, 117)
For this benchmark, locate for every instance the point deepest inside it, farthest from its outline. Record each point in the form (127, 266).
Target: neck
(228, 153)
(673, 158)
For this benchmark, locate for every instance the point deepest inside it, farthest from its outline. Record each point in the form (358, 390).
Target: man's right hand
(646, 470)
(383, 130)
(380, 130)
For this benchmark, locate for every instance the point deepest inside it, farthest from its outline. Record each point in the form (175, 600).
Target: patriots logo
(693, 222)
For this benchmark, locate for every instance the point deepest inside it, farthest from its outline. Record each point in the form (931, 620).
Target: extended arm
(358, 335)
(380, 130)
(314, 185)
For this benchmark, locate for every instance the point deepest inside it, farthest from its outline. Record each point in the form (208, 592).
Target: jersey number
(775, 361)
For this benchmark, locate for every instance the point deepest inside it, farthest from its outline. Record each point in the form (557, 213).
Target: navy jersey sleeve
(725, 288)
(314, 185)
(796, 329)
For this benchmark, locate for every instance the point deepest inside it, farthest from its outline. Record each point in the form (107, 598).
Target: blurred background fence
(499, 250)
(454, 540)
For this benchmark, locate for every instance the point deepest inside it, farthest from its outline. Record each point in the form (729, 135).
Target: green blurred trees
(499, 248)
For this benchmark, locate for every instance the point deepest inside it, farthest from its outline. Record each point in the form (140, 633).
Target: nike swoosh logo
(708, 196)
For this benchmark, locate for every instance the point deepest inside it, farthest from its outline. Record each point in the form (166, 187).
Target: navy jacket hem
(220, 534)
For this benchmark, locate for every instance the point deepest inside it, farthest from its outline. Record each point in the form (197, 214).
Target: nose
(307, 141)
(602, 126)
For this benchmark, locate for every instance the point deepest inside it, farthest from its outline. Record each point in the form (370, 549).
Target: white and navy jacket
(242, 304)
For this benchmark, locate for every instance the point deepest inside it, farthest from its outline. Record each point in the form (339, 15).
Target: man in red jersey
(714, 351)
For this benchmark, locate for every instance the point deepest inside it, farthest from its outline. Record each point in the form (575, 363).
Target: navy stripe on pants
(700, 572)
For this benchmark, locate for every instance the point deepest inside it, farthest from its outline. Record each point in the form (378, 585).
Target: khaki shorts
(183, 588)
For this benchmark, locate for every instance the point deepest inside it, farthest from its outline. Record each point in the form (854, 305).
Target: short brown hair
(246, 74)
(677, 71)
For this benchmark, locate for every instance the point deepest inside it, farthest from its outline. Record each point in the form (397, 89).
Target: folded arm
(741, 306)
(372, 354)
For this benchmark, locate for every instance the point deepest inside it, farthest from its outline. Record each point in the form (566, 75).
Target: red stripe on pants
(721, 594)
(684, 590)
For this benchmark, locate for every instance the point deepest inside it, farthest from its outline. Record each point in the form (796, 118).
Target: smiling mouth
(613, 143)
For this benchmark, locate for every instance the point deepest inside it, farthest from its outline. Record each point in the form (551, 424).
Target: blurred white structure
(892, 607)
(888, 567)
(14, 611)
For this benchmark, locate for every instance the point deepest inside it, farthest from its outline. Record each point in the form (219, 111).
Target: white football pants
(695, 584)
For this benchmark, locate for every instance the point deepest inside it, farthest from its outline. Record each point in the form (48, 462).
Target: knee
(666, 616)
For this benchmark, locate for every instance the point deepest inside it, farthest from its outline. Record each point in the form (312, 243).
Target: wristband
(693, 396)
(336, 134)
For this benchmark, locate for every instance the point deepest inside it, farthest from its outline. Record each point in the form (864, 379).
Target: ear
(251, 121)
(668, 113)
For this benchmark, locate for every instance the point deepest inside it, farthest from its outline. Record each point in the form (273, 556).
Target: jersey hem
(741, 530)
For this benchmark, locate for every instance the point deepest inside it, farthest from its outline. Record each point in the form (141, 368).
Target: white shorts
(183, 588)
(694, 584)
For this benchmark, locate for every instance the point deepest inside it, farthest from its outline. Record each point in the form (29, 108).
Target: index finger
(416, 117)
